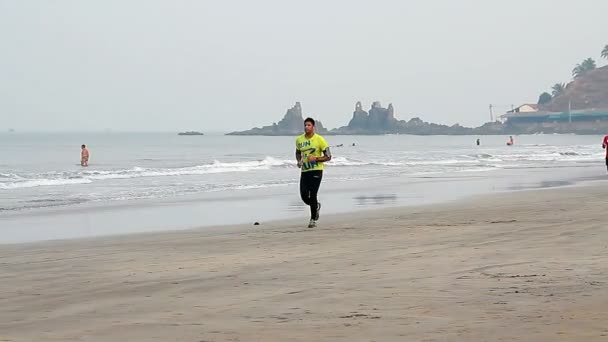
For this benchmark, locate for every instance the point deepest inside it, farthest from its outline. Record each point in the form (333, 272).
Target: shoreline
(331, 218)
(516, 266)
(215, 209)
(300, 221)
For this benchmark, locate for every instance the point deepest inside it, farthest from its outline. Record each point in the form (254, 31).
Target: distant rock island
(380, 120)
(291, 124)
(580, 107)
(190, 133)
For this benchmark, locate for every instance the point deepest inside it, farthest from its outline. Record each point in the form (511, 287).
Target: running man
(312, 152)
(605, 147)
(84, 156)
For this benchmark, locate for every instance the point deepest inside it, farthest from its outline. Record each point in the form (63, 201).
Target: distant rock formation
(584, 100)
(360, 118)
(291, 124)
(378, 120)
(382, 120)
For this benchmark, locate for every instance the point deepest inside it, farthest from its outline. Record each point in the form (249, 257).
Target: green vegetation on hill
(544, 98)
(583, 67)
(558, 89)
(587, 90)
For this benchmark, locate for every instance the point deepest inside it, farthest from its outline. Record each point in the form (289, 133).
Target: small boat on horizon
(190, 133)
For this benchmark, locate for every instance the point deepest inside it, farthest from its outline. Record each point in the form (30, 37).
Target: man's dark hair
(83, 146)
(311, 120)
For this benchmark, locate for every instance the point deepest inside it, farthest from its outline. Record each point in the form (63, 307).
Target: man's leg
(607, 163)
(315, 183)
(304, 185)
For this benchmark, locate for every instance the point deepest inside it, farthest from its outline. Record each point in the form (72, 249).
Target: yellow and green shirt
(313, 146)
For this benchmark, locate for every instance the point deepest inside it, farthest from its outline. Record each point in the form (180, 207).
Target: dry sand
(527, 266)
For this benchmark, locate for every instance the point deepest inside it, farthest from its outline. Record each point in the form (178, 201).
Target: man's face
(309, 128)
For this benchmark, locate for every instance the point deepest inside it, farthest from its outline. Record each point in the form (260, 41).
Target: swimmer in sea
(84, 155)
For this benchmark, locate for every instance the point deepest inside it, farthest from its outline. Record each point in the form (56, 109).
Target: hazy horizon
(217, 67)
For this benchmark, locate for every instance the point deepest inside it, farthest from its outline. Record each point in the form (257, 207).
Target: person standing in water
(510, 142)
(312, 152)
(605, 147)
(84, 155)
(478, 142)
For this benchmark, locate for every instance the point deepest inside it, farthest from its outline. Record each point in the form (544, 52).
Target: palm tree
(589, 64)
(577, 71)
(583, 67)
(544, 98)
(605, 52)
(558, 89)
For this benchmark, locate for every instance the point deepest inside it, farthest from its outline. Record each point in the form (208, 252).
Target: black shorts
(606, 161)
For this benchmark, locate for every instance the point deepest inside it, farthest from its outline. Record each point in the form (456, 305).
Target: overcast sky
(222, 65)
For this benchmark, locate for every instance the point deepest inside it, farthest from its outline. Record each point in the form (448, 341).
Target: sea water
(217, 179)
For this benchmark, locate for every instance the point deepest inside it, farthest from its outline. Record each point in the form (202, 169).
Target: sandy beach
(522, 266)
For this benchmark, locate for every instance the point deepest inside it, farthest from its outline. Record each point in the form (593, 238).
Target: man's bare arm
(299, 157)
(326, 156)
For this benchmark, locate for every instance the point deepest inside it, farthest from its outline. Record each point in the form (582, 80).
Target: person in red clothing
(84, 155)
(605, 147)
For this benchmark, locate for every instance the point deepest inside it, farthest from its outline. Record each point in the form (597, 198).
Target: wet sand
(215, 209)
(524, 266)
